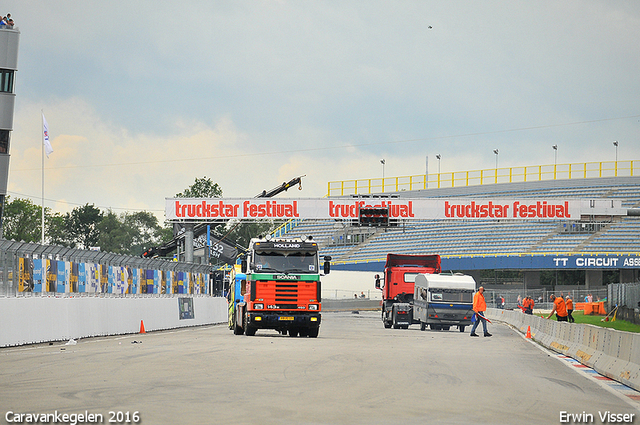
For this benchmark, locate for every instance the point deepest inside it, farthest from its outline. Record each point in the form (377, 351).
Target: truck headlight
(313, 306)
(258, 306)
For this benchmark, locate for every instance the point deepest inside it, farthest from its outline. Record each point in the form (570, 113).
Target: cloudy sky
(142, 97)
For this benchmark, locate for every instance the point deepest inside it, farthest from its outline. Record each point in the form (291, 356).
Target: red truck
(397, 286)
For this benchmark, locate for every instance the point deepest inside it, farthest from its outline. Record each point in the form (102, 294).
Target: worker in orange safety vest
(479, 307)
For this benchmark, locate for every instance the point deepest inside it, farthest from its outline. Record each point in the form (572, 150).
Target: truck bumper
(284, 320)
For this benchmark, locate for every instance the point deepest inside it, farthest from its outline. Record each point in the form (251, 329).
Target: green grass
(596, 320)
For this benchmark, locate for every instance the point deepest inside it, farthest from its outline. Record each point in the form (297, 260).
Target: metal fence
(30, 269)
(624, 294)
(540, 296)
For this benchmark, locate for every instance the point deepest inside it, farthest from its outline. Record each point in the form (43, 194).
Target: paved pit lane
(355, 372)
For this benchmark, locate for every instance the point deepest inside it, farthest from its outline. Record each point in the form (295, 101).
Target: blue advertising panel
(61, 282)
(38, 275)
(82, 277)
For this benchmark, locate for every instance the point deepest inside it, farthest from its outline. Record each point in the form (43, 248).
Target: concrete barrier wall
(350, 305)
(28, 320)
(612, 353)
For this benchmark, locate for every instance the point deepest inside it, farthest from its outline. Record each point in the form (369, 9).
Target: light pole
(438, 157)
(615, 143)
(496, 151)
(382, 161)
(555, 160)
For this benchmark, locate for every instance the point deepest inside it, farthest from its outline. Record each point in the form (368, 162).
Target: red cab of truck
(400, 273)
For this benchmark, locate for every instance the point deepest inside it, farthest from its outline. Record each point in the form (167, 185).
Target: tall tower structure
(9, 38)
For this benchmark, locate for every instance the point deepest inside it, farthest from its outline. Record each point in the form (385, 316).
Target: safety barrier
(612, 353)
(29, 320)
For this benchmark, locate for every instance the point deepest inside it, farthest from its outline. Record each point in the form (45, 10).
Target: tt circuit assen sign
(196, 209)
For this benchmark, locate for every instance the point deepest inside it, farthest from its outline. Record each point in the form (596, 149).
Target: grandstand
(351, 245)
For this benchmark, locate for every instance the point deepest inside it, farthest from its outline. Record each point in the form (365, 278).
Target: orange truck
(282, 288)
(398, 285)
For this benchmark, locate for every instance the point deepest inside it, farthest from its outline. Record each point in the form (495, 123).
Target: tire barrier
(30, 320)
(612, 353)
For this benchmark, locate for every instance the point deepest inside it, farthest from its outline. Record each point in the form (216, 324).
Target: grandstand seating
(489, 237)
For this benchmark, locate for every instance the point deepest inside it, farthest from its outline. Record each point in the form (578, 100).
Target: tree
(22, 220)
(83, 226)
(113, 235)
(57, 228)
(202, 188)
(145, 231)
(241, 231)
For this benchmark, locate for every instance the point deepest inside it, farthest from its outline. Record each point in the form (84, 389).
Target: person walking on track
(479, 307)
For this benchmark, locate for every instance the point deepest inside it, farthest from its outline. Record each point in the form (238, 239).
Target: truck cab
(397, 286)
(282, 288)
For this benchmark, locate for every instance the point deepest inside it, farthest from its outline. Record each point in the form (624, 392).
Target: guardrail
(612, 353)
(487, 176)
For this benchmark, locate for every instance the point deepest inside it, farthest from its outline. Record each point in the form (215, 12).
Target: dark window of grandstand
(6, 81)
(4, 141)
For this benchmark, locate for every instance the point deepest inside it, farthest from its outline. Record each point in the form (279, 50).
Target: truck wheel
(248, 331)
(461, 328)
(423, 326)
(313, 332)
(237, 330)
(293, 332)
(304, 332)
(387, 325)
(283, 331)
(446, 328)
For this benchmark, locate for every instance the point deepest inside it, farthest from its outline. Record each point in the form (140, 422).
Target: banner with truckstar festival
(200, 209)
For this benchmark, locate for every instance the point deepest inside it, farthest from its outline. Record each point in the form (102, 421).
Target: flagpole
(42, 149)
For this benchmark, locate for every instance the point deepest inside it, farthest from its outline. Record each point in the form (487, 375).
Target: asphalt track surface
(355, 372)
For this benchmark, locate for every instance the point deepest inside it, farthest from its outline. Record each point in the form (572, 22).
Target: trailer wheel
(423, 326)
(461, 328)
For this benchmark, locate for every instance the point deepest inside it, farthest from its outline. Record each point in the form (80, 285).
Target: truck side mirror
(378, 282)
(327, 264)
(244, 265)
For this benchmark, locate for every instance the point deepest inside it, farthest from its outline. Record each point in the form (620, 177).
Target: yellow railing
(529, 173)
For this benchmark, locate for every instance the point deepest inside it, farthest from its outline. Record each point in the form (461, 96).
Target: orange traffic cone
(142, 331)
(528, 336)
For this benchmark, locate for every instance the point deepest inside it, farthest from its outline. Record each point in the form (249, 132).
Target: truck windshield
(289, 262)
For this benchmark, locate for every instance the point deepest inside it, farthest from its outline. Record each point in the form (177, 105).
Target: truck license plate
(285, 318)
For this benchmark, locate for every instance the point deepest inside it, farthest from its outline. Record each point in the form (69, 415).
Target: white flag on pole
(48, 149)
